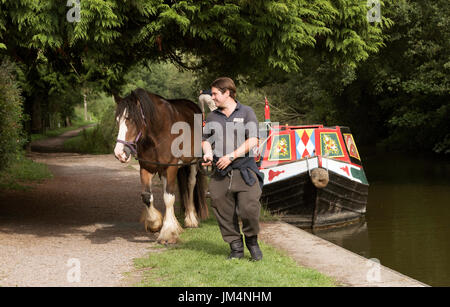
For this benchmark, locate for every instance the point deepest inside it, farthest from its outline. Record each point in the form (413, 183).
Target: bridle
(132, 146)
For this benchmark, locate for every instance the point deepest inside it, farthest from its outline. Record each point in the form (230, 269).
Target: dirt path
(85, 218)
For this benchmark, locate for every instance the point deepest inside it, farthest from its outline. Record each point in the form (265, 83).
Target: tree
(234, 37)
(404, 91)
(398, 97)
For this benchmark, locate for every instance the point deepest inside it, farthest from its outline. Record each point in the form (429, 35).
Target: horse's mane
(129, 103)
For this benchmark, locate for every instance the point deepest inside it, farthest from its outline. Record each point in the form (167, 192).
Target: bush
(97, 140)
(12, 137)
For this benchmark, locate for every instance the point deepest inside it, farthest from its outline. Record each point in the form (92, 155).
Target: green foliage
(96, 140)
(11, 116)
(404, 90)
(98, 104)
(58, 58)
(163, 79)
(317, 61)
(399, 96)
(235, 37)
(21, 171)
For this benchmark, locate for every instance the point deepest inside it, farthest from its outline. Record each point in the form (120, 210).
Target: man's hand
(208, 158)
(223, 162)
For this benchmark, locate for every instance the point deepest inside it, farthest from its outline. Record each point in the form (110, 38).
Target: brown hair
(223, 84)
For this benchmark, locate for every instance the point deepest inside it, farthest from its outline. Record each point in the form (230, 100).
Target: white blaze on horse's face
(119, 149)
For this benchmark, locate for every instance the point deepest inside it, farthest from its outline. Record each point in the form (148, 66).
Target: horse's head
(130, 119)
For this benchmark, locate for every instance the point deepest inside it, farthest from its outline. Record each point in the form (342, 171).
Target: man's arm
(239, 152)
(207, 152)
(244, 148)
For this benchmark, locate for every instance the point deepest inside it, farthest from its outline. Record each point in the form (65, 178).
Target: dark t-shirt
(226, 134)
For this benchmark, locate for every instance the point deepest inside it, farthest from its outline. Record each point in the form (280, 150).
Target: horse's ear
(117, 99)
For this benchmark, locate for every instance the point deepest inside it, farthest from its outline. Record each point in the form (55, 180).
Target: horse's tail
(201, 187)
(201, 207)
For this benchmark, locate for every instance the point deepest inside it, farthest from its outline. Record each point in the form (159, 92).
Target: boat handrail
(280, 127)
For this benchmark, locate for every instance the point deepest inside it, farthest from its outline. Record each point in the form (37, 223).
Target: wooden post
(85, 106)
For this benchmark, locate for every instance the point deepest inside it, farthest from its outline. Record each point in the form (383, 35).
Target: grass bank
(96, 140)
(199, 260)
(90, 141)
(58, 131)
(21, 172)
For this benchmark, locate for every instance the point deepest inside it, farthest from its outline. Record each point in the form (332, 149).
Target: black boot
(253, 247)
(237, 249)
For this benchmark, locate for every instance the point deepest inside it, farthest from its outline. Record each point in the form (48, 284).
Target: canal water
(407, 225)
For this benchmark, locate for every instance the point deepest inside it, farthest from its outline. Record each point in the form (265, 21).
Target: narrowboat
(313, 175)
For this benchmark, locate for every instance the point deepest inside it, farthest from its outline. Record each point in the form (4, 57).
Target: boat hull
(299, 202)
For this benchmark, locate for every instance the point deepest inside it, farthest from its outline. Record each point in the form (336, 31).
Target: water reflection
(407, 226)
(354, 237)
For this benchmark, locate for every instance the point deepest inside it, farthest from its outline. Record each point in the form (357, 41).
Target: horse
(145, 129)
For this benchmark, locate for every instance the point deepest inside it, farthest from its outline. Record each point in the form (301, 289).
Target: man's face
(218, 97)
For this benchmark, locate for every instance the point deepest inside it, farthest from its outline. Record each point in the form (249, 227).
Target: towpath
(81, 228)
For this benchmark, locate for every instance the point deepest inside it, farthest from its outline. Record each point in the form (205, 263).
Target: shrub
(96, 140)
(11, 116)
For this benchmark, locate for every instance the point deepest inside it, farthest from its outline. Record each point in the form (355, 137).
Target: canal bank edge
(347, 268)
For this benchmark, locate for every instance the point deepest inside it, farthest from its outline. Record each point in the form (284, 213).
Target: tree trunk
(85, 107)
(36, 117)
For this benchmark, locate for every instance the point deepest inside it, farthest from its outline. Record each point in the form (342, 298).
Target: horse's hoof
(190, 222)
(152, 229)
(172, 241)
(167, 241)
(150, 224)
(190, 225)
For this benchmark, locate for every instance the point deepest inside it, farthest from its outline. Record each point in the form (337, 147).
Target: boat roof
(289, 143)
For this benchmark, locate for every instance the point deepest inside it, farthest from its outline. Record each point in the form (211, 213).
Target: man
(231, 132)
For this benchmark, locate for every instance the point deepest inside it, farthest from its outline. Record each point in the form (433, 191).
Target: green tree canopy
(260, 39)
(227, 37)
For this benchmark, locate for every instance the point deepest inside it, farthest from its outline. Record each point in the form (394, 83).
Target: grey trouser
(232, 200)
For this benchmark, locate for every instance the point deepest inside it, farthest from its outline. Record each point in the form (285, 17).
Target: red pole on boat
(266, 110)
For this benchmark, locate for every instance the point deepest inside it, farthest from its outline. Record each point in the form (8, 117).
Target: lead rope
(231, 179)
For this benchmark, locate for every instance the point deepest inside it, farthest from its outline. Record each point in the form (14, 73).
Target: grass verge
(21, 172)
(58, 131)
(93, 140)
(86, 143)
(199, 260)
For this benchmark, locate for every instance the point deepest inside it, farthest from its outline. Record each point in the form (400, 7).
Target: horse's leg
(171, 228)
(151, 217)
(191, 220)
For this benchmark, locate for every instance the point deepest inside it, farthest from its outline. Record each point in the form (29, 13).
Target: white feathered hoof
(171, 228)
(319, 178)
(152, 219)
(169, 233)
(191, 220)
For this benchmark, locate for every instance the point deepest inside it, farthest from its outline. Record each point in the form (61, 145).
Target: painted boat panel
(288, 156)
